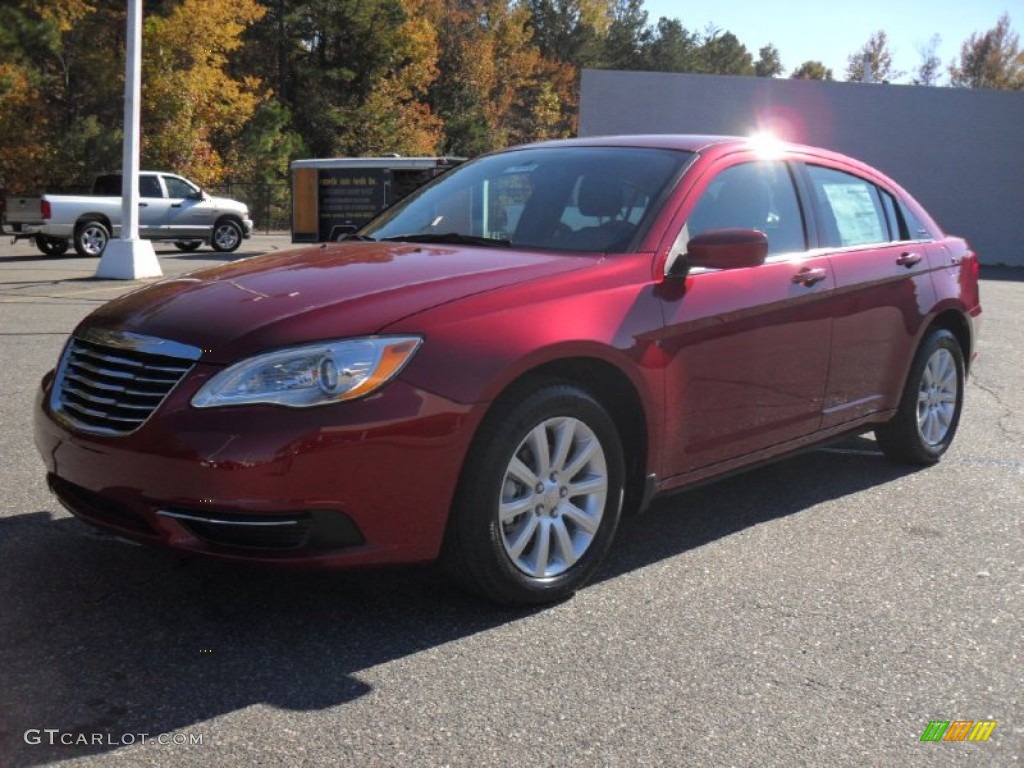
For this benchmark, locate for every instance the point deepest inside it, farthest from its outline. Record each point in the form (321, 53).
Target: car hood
(330, 291)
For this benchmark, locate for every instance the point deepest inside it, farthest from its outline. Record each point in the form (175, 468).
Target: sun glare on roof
(767, 145)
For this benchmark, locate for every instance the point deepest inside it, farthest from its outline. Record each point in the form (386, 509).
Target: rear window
(109, 184)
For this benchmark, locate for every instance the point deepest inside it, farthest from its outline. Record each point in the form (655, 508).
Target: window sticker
(855, 214)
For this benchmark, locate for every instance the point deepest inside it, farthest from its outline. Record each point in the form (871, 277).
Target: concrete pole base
(128, 260)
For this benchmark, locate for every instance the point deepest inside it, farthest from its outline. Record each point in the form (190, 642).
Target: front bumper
(360, 483)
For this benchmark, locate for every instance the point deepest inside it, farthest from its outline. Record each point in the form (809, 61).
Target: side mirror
(195, 195)
(723, 249)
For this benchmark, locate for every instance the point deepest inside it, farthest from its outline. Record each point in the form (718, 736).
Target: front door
(186, 216)
(747, 350)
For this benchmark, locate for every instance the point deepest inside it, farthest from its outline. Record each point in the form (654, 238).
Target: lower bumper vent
(319, 529)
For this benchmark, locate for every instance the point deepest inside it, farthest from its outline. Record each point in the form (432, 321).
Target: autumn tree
(931, 65)
(192, 107)
(61, 84)
(394, 115)
(811, 70)
(495, 86)
(876, 51)
(990, 60)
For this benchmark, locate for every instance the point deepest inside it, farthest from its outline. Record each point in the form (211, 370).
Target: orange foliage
(192, 107)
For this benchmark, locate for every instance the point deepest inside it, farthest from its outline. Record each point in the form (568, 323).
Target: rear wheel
(91, 238)
(539, 500)
(227, 236)
(929, 411)
(188, 245)
(52, 246)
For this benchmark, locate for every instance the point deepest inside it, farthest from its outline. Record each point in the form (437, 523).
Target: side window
(149, 186)
(897, 231)
(915, 229)
(177, 188)
(850, 208)
(753, 196)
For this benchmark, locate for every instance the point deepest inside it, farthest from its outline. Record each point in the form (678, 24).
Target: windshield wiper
(449, 237)
(358, 238)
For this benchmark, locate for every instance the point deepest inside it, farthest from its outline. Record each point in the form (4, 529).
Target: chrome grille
(109, 382)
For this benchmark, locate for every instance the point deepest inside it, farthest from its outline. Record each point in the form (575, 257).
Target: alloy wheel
(553, 497)
(937, 397)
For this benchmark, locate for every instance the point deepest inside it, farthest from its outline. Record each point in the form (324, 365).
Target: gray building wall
(960, 152)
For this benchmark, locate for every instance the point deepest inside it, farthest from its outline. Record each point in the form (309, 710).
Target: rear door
(882, 290)
(747, 349)
(152, 205)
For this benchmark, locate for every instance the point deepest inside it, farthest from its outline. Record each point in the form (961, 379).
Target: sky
(830, 31)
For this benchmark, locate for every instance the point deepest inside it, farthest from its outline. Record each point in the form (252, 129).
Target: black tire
(52, 246)
(227, 236)
(929, 411)
(91, 237)
(188, 245)
(552, 540)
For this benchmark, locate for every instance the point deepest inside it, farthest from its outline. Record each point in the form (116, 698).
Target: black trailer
(336, 196)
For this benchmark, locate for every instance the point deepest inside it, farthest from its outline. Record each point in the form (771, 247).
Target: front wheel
(539, 499)
(91, 238)
(227, 236)
(929, 411)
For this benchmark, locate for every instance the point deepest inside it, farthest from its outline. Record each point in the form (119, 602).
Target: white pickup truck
(170, 208)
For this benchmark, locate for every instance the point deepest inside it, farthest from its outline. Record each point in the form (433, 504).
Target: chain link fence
(270, 203)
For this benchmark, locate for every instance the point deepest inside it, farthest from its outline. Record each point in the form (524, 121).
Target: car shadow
(101, 637)
(69, 256)
(204, 255)
(692, 518)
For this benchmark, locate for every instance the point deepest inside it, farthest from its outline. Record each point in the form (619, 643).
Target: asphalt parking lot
(820, 611)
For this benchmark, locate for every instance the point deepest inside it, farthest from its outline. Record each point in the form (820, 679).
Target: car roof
(714, 144)
(688, 142)
(698, 142)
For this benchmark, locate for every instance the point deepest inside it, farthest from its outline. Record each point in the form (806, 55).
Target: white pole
(128, 257)
(869, 75)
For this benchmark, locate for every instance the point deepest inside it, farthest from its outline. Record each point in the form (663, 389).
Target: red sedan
(492, 371)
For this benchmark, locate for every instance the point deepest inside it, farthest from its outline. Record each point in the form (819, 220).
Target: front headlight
(313, 374)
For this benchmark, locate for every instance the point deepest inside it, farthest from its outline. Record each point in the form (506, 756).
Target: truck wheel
(52, 246)
(227, 236)
(188, 245)
(91, 238)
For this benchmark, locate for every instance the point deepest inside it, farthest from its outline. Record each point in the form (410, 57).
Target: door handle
(908, 259)
(143, 205)
(175, 205)
(809, 277)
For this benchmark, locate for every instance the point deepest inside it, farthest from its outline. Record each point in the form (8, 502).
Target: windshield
(559, 198)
